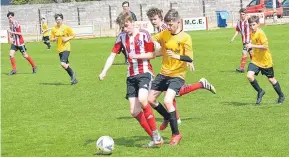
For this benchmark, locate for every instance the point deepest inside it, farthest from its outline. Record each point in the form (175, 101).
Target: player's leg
(144, 81)
(243, 60)
(177, 113)
(175, 85)
(165, 122)
(159, 85)
(135, 107)
(46, 42)
(137, 113)
(202, 84)
(23, 50)
(65, 65)
(13, 49)
(168, 101)
(269, 72)
(252, 71)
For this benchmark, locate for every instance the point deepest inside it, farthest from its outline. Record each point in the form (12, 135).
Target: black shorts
(269, 72)
(45, 38)
(22, 48)
(64, 56)
(163, 83)
(134, 83)
(246, 49)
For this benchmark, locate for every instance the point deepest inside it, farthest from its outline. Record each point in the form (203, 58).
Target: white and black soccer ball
(105, 145)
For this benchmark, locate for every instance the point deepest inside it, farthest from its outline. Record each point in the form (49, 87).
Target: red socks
(149, 115)
(31, 61)
(13, 63)
(143, 122)
(190, 88)
(243, 63)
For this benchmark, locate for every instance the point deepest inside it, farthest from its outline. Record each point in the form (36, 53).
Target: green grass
(42, 115)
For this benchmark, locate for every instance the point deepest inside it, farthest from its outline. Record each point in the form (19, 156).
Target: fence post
(140, 7)
(171, 4)
(204, 8)
(78, 17)
(39, 19)
(110, 17)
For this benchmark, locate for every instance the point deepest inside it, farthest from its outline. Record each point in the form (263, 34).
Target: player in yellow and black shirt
(62, 34)
(176, 52)
(45, 33)
(261, 61)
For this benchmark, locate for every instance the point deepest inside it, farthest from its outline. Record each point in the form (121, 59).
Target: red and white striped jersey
(17, 39)
(138, 44)
(161, 28)
(244, 28)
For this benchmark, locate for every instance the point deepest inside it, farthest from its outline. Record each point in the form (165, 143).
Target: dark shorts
(22, 48)
(244, 48)
(134, 83)
(45, 38)
(163, 83)
(64, 56)
(269, 72)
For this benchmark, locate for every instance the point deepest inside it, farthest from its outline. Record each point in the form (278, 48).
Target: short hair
(125, 2)
(172, 15)
(242, 10)
(253, 18)
(155, 11)
(10, 13)
(122, 18)
(58, 15)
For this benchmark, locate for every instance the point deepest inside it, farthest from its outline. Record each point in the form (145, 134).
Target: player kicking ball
(139, 48)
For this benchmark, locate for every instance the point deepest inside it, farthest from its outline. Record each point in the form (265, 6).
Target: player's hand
(232, 40)
(64, 39)
(55, 39)
(101, 76)
(132, 56)
(249, 45)
(191, 66)
(172, 54)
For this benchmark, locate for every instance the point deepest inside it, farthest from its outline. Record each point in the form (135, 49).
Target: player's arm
(115, 50)
(188, 51)
(157, 46)
(107, 65)
(235, 35)
(71, 35)
(263, 42)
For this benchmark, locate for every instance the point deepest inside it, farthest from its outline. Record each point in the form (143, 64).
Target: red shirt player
(139, 49)
(17, 41)
(243, 28)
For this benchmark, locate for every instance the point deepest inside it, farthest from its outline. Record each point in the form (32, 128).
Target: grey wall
(97, 12)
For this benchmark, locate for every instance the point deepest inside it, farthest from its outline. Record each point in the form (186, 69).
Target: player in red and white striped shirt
(243, 28)
(139, 49)
(17, 41)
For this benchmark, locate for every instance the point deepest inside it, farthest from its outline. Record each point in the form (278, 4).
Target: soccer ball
(104, 145)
